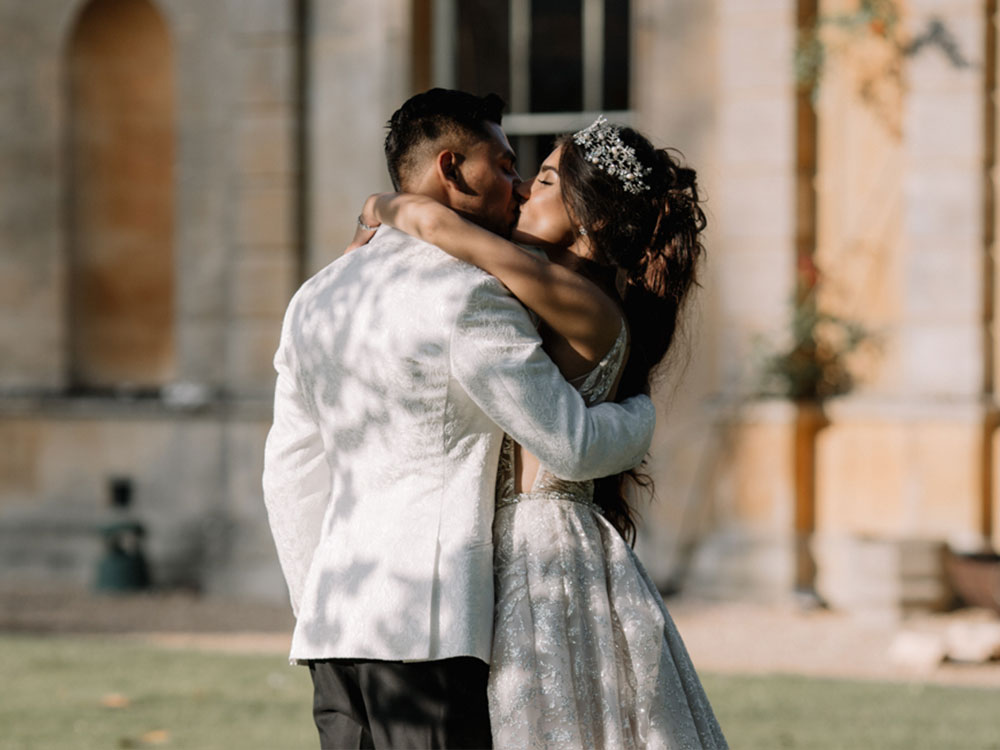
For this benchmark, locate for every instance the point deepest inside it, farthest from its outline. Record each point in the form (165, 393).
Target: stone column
(33, 258)
(350, 73)
(207, 70)
(942, 342)
(360, 55)
(264, 246)
(725, 480)
(680, 111)
(754, 551)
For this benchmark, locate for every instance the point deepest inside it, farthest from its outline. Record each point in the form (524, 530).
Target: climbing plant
(872, 42)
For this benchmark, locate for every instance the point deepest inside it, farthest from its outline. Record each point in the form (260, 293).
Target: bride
(584, 653)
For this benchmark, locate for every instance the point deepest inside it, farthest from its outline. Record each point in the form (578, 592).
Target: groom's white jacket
(399, 370)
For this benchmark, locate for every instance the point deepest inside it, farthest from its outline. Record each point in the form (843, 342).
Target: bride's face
(544, 219)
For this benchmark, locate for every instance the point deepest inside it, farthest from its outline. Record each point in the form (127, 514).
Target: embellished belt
(551, 496)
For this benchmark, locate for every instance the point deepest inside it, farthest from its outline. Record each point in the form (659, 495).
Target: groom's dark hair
(425, 118)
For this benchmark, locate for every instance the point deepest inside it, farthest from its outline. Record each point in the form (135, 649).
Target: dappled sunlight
(367, 349)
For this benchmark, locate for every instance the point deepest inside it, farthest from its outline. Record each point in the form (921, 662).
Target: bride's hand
(367, 224)
(416, 215)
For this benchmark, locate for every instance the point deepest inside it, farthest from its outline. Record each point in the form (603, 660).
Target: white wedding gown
(585, 654)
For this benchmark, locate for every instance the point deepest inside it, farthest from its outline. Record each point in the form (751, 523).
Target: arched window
(120, 190)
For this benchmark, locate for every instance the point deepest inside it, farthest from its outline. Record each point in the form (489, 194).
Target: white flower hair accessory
(603, 147)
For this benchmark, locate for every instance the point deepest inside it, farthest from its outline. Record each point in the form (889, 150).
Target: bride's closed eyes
(543, 219)
(548, 172)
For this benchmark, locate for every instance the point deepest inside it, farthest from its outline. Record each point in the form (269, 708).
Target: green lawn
(776, 712)
(53, 693)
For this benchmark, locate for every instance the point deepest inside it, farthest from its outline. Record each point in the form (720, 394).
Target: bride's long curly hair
(646, 250)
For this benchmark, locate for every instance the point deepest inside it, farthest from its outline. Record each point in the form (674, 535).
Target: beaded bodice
(594, 386)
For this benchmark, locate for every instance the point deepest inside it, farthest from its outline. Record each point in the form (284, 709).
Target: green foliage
(836, 33)
(872, 18)
(813, 366)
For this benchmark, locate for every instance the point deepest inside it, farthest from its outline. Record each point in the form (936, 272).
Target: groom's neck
(428, 184)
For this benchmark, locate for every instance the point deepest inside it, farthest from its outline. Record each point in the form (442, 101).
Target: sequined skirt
(585, 654)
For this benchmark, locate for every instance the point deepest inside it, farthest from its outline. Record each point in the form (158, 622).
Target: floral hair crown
(603, 147)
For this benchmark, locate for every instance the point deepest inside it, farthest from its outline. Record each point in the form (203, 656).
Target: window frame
(520, 121)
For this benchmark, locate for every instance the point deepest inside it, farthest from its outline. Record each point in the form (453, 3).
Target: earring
(583, 231)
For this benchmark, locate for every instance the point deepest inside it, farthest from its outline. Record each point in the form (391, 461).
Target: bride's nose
(524, 189)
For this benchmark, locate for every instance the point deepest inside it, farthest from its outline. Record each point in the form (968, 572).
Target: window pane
(483, 50)
(531, 152)
(552, 61)
(556, 56)
(617, 43)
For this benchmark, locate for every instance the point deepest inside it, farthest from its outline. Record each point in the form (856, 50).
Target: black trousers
(387, 704)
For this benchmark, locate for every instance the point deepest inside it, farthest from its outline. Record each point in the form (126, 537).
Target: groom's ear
(449, 174)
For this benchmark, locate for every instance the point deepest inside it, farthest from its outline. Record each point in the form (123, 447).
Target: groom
(399, 371)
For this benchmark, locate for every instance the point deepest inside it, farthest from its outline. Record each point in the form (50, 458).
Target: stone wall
(195, 451)
(279, 125)
(33, 264)
(278, 120)
(901, 218)
(907, 227)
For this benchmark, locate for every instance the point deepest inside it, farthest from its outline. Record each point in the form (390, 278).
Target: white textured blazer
(399, 370)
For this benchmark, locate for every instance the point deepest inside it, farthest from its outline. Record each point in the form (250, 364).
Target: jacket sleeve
(296, 479)
(497, 356)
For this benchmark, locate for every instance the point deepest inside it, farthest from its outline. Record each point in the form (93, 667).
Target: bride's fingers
(361, 237)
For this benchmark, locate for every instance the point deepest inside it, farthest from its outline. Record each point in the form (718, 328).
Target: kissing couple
(457, 422)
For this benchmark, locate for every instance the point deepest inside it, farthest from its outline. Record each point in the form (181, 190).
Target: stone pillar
(206, 99)
(756, 197)
(33, 337)
(360, 56)
(944, 336)
(679, 111)
(750, 111)
(941, 333)
(257, 278)
(264, 246)
(676, 110)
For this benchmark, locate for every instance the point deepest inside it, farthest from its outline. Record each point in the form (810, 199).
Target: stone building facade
(171, 170)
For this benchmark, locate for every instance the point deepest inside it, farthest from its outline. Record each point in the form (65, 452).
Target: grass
(53, 690)
(54, 695)
(781, 711)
